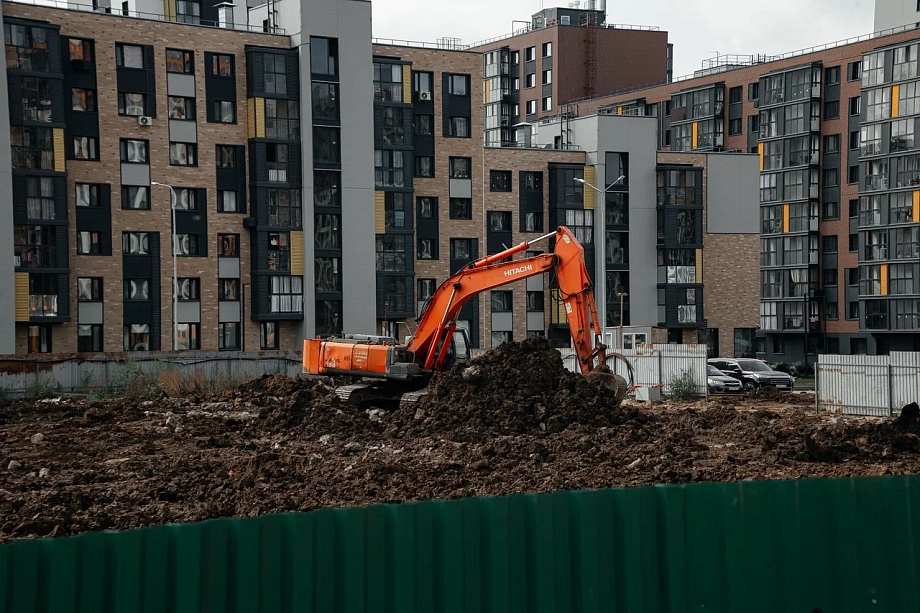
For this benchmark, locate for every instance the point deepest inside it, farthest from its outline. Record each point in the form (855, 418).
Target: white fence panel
(905, 379)
(854, 384)
(658, 365)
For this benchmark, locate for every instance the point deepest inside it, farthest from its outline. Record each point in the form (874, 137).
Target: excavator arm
(438, 322)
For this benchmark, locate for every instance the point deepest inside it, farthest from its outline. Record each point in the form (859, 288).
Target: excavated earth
(512, 421)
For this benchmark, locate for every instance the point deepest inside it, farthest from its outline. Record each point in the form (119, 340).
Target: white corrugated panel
(854, 384)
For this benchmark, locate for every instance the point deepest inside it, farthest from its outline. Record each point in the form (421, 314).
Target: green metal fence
(827, 546)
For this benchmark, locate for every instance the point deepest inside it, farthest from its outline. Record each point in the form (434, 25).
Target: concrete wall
(350, 22)
(733, 198)
(893, 13)
(7, 298)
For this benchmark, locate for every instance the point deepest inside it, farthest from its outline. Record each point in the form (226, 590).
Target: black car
(753, 374)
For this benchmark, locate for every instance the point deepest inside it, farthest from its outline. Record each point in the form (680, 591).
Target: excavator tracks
(373, 394)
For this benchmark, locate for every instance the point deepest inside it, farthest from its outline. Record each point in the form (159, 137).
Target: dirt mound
(518, 388)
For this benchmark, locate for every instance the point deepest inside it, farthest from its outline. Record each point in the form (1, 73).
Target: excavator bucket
(605, 380)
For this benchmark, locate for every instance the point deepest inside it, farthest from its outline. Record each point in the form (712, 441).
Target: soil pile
(518, 388)
(516, 422)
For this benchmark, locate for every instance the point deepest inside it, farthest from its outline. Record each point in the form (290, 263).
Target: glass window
(180, 108)
(226, 156)
(389, 168)
(460, 168)
(86, 195)
(461, 208)
(132, 105)
(222, 65)
(89, 243)
(135, 198)
(388, 80)
(461, 248)
(188, 11)
(188, 289)
(89, 338)
(36, 99)
(185, 244)
(85, 148)
(137, 289)
(137, 337)
(500, 180)
(326, 146)
(326, 189)
(458, 84)
(80, 50)
(279, 251)
(134, 151)
(282, 119)
(135, 243)
(182, 154)
(178, 61)
(40, 198)
(225, 111)
(228, 337)
(227, 201)
(459, 127)
(275, 75)
(284, 208)
(129, 56)
(83, 100)
(325, 100)
(269, 335)
(324, 54)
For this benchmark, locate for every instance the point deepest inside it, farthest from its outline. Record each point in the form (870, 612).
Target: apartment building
(806, 115)
(113, 119)
(563, 55)
(890, 14)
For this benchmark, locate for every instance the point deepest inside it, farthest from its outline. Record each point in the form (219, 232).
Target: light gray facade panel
(461, 188)
(228, 312)
(228, 268)
(90, 313)
(308, 329)
(536, 321)
(7, 277)
(502, 322)
(183, 131)
(535, 284)
(188, 312)
(180, 85)
(135, 174)
(733, 197)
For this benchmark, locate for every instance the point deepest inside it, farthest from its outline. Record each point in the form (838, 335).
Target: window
(876, 175)
(225, 111)
(275, 75)
(734, 95)
(228, 337)
(832, 109)
(547, 49)
(830, 177)
(460, 168)
(188, 11)
(180, 108)
(282, 121)
(854, 208)
(226, 156)
(89, 338)
(461, 248)
(129, 56)
(137, 337)
(279, 251)
(324, 56)
(458, 85)
(855, 104)
(39, 198)
(853, 242)
(901, 279)
(133, 105)
(500, 180)
(902, 135)
(499, 221)
(286, 294)
(873, 69)
(135, 198)
(905, 243)
(185, 244)
(876, 312)
(461, 208)
(854, 71)
(40, 339)
(388, 80)
(427, 208)
(423, 83)
(531, 107)
(424, 125)
(829, 277)
(32, 148)
(909, 99)
(276, 157)
(424, 166)
(393, 121)
(89, 289)
(391, 252)
(326, 146)
(222, 65)
(137, 289)
(80, 50)
(389, 168)
(426, 249)
(832, 143)
(85, 148)
(326, 189)
(89, 243)
(735, 127)
(268, 335)
(878, 104)
(182, 154)
(531, 222)
(188, 289)
(284, 208)
(773, 155)
(530, 80)
(753, 91)
(547, 77)
(395, 207)
(853, 312)
(459, 127)
(581, 223)
(901, 210)
(832, 75)
(227, 201)
(86, 195)
(530, 54)
(83, 100)
(325, 101)
(178, 61)
(853, 174)
(229, 290)
(829, 244)
(133, 151)
(186, 199)
(548, 103)
(831, 210)
(35, 246)
(426, 289)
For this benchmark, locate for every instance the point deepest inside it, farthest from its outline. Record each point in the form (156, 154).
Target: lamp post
(172, 239)
(602, 249)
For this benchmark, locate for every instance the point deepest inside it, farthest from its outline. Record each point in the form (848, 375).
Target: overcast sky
(697, 28)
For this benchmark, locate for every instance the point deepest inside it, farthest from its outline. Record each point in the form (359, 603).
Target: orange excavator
(392, 372)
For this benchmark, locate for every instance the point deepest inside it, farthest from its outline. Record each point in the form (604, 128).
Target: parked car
(753, 374)
(720, 383)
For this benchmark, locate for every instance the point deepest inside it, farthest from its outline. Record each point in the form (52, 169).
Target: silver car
(720, 383)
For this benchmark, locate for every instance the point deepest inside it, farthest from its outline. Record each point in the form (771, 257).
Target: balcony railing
(36, 256)
(282, 129)
(43, 305)
(876, 252)
(277, 172)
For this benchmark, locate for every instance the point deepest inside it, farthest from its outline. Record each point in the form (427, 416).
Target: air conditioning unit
(424, 96)
(145, 121)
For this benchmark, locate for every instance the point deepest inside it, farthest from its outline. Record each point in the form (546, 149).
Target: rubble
(37, 438)
(512, 421)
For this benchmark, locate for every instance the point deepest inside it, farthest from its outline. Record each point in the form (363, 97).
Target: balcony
(874, 253)
(282, 129)
(910, 178)
(877, 182)
(277, 172)
(43, 305)
(36, 256)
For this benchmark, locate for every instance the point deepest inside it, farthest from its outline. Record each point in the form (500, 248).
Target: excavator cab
(459, 350)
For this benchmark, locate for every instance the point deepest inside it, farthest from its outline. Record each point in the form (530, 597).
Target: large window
(324, 56)
(326, 189)
(35, 246)
(180, 108)
(460, 168)
(458, 84)
(393, 120)
(391, 252)
(873, 69)
(39, 198)
(188, 11)
(135, 198)
(225, 111)
(581, 223)
(275, 75)
(325, 101)
(389, 167)
(388, 82)
(228, 337)
(870, 139)
(328, 275)
(135, 243)
(137, 289)
(26, 47)
(326, 146)
(133, 151)
(183, 154)
(86, 195)
(36, 99)
(901, 279)
(878, 104)
(132, 104)
(32, 148)
(459, 127)
(461, 208)
(279, 251)
(282, 120)
(83, 100)
(876, 172)
(902, 135)
(395, 208)
(179, 61)
(905, 244)
(906, 314)
(284, 208)
(327, 231)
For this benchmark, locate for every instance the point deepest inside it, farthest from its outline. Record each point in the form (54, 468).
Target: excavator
(389, 372)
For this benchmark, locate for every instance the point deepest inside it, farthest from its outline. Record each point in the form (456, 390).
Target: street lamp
(172, 239)
(602, 248)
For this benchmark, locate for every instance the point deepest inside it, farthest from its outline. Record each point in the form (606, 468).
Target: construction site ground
(514, 421)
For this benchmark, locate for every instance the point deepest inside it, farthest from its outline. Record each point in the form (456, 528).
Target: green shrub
(683, 386)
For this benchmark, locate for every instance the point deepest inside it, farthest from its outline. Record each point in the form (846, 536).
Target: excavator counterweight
(391, 371)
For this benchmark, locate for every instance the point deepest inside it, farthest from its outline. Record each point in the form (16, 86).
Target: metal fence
(867, 385)
(656, 366)
(33, 376)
